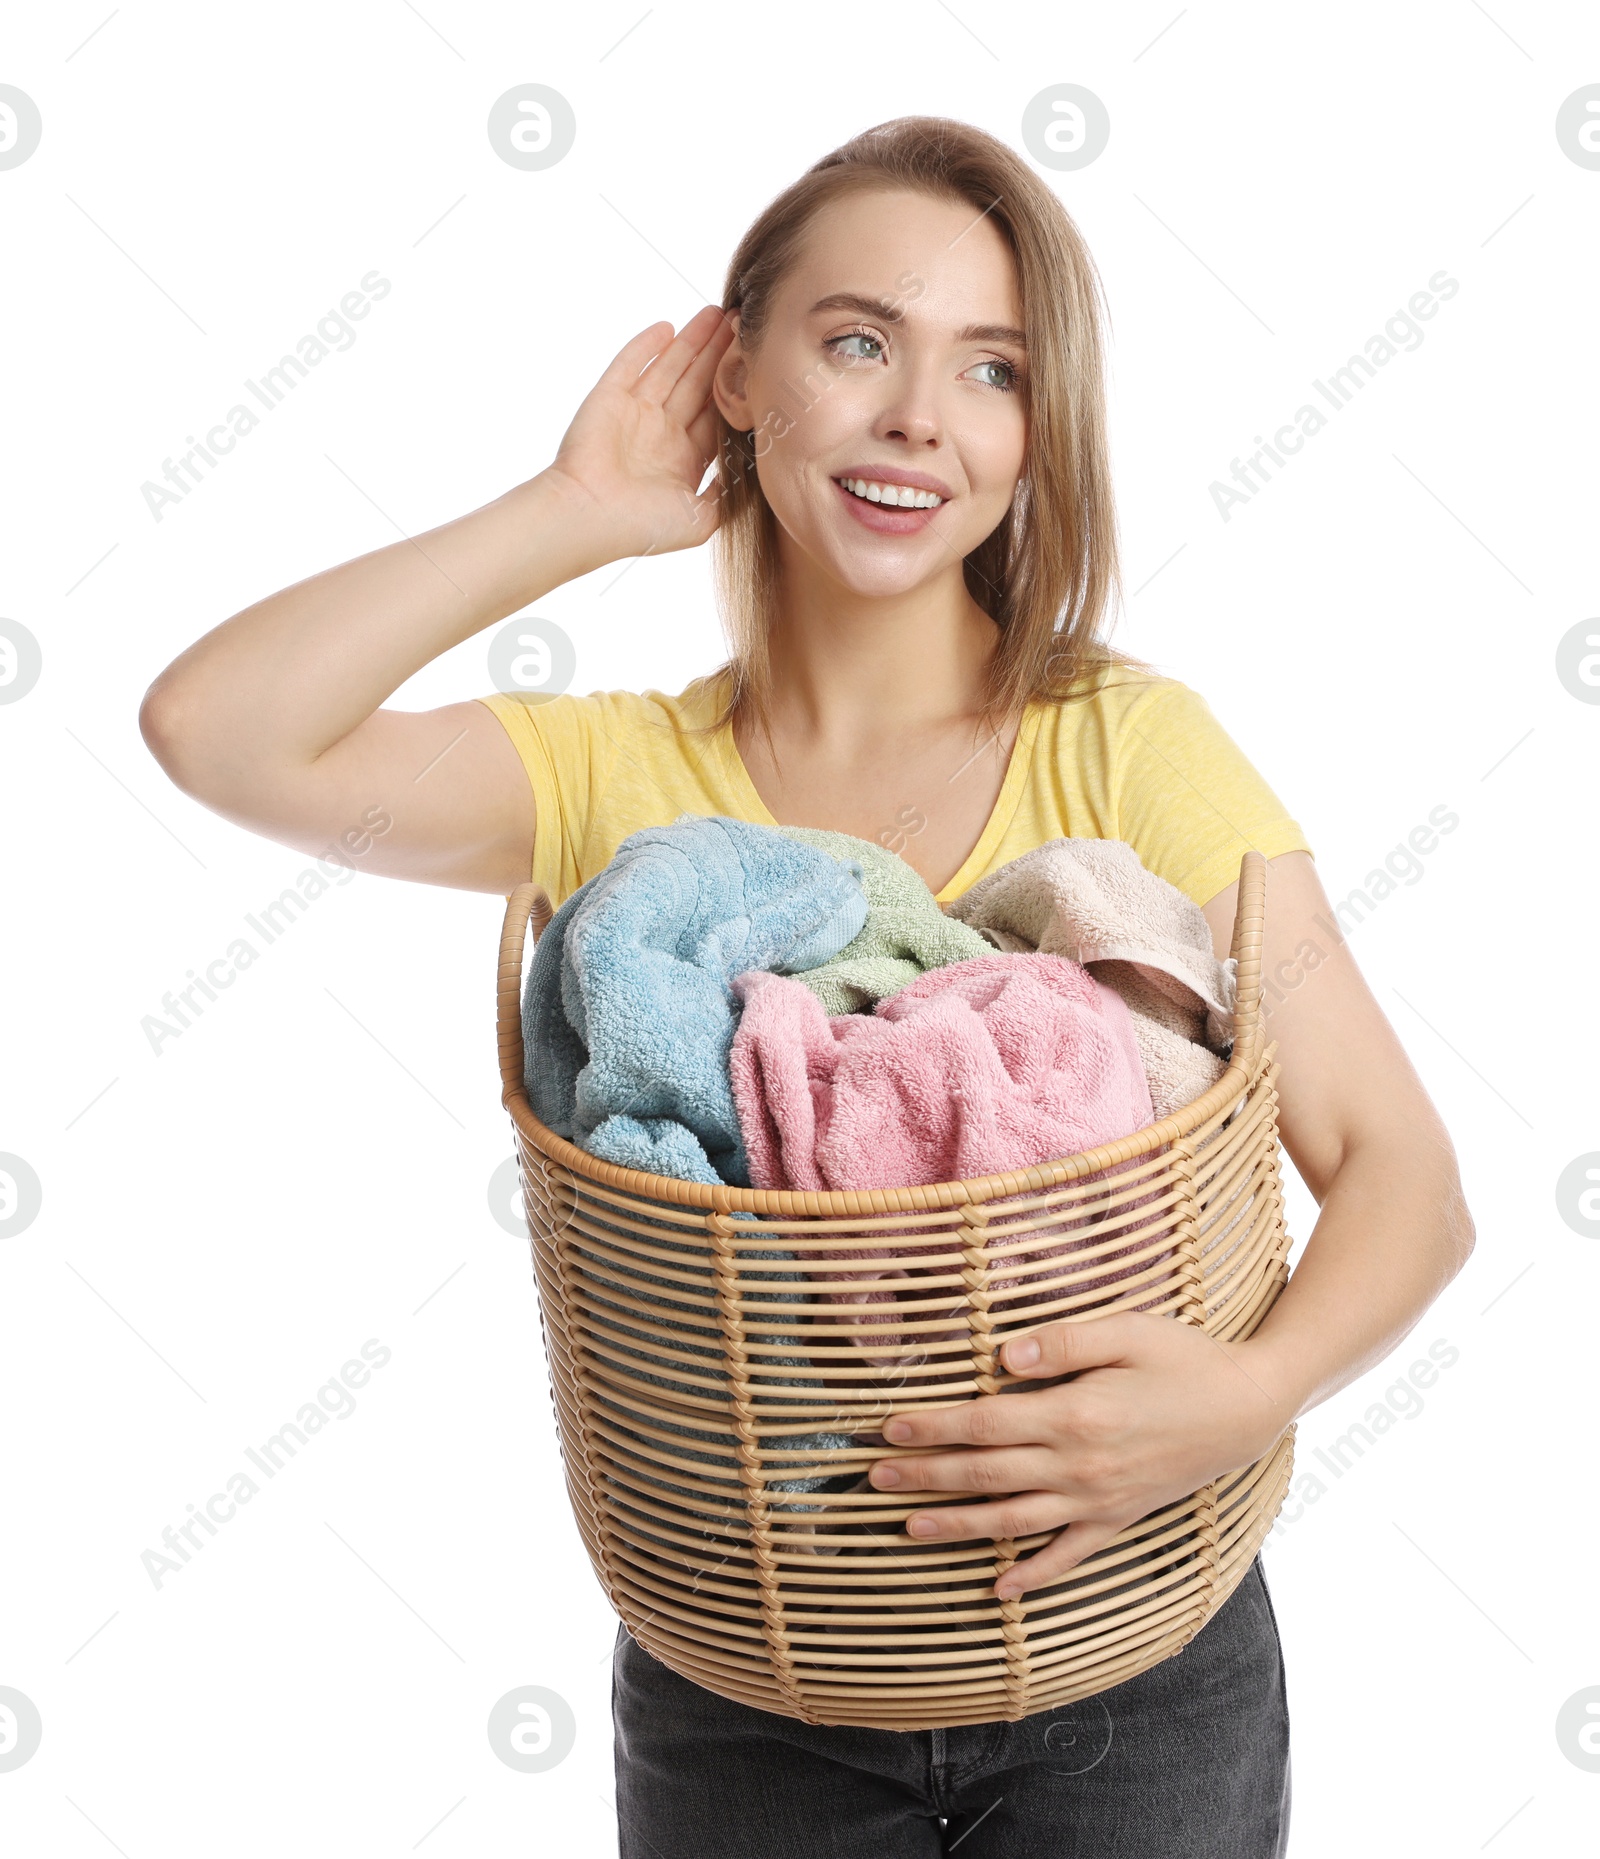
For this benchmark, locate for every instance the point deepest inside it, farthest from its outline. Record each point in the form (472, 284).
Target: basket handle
(1249, 930)
(527, 900)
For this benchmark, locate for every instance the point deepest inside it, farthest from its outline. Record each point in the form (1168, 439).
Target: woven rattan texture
(720, 1373)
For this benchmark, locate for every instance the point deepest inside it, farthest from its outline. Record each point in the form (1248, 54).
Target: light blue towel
(628, 1014)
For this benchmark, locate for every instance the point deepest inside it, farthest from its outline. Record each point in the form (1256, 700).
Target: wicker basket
(707, 1378)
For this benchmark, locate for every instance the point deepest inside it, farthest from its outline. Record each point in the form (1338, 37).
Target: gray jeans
(1189, 1760)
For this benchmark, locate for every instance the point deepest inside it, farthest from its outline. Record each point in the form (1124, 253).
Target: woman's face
(892, 356)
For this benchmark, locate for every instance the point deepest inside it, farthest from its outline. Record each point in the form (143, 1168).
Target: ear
(729, 382)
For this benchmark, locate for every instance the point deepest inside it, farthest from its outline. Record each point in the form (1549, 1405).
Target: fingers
(623, 368)
(691, 394)
(1056, 1559)
(991, 1420)
(1064, 1348)
(1024, 1513)
(693, 345)
(965, 1471)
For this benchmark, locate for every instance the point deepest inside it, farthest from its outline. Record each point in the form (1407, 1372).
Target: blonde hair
(1046, 574)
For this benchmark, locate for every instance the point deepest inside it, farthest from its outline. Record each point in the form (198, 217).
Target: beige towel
(1093, 901)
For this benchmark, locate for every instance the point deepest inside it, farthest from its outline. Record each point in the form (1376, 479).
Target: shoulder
(1122, 705)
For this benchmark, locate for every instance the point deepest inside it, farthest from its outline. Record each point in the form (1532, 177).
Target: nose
(911, 408)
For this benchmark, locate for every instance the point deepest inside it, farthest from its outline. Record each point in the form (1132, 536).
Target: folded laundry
(628, 1011)
(1094, 901)
(905, 932)
(977, 1068)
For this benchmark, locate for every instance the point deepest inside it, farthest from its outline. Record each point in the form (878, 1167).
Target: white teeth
(901, 494)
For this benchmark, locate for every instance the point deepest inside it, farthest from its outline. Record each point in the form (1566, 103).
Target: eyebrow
(889, 312)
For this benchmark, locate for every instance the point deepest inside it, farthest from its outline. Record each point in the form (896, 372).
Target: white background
(307, 1166)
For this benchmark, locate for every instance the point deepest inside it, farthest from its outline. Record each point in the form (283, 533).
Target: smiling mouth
(890, 496)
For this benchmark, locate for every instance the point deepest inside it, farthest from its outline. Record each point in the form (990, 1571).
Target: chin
(887, 575)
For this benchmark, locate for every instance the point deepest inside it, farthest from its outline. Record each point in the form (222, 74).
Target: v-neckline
(1000, 815)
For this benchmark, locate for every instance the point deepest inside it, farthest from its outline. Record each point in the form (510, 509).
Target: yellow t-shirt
(1142, 759)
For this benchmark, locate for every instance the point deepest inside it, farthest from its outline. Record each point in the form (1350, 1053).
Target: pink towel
(995, 1063)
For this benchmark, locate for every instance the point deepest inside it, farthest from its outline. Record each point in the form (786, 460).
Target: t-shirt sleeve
(566, 751)
(1187, 798)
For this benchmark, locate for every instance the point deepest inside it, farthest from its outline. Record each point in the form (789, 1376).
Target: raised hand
(640, 443)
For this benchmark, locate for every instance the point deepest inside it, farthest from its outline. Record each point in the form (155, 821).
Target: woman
(916, 553)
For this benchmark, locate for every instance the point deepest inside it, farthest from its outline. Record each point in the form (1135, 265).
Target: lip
(890, 519)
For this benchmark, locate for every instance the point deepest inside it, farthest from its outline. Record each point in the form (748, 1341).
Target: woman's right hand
(640, 443)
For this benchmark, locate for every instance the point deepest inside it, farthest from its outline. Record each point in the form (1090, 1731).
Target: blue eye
(1009, 384)
(857, 335)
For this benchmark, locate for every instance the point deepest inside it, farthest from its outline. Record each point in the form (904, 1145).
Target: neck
(850, 667)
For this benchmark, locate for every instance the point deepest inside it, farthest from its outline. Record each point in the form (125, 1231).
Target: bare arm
(273, 719)
(1393, 1227)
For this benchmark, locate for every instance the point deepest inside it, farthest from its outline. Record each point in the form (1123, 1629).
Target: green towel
(905, 932)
